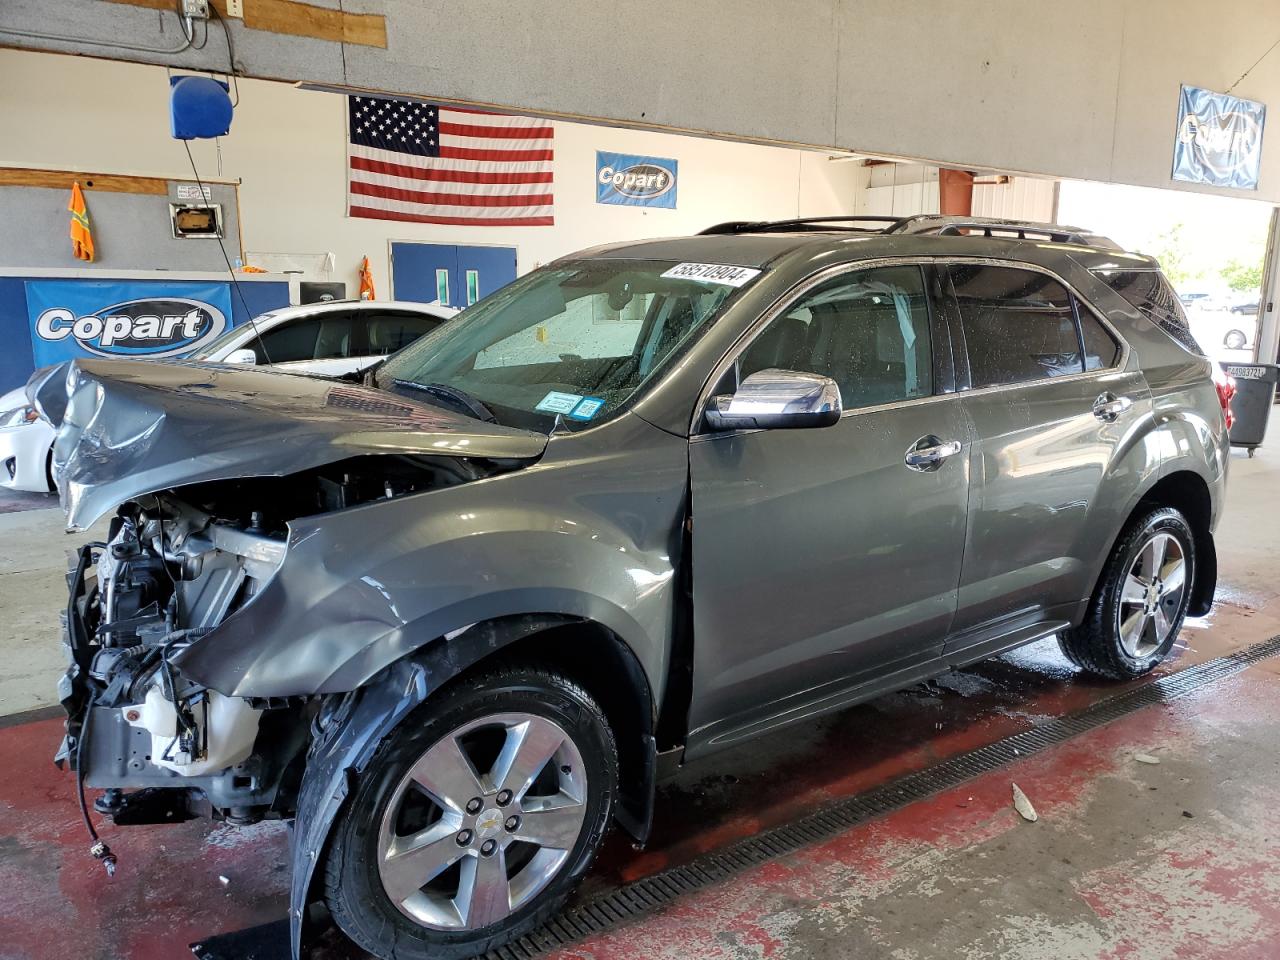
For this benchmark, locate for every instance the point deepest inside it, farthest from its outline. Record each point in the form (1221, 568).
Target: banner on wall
(142, 319)
(1219, 139)
(633, 181)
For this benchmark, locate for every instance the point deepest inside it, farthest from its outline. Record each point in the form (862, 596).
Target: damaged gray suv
(646, 502)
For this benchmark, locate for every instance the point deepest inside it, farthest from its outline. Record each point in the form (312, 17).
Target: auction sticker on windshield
(556, 402)
(722, 273)
(587, 409)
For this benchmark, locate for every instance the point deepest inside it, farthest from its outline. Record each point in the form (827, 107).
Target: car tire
(1134, 616)
(1235, 340)
(391, 818)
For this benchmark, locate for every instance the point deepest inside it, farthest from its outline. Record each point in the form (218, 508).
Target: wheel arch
(351, 725)
(603, 663)
(1187, 492)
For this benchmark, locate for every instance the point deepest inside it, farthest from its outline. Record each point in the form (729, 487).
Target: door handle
(1108, 407)
(927, 453)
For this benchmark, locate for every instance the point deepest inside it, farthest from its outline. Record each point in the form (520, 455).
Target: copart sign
(134, 319)
(632, 181)
(1219, 139)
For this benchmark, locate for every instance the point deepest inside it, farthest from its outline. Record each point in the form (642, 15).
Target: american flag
(431, 164)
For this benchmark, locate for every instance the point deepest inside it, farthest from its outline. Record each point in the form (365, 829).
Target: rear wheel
(475, 819)
(1140, 602)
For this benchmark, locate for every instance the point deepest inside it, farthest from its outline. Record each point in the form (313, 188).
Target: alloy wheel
(482, 822)
(1151, 596)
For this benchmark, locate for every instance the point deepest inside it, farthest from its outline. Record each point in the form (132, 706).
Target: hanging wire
(1255, 63)
(235, 281)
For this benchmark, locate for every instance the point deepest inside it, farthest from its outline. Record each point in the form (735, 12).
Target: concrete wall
(288, 148)
(1086, 89)
(131, 231)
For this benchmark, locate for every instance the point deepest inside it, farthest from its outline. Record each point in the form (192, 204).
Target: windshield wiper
(459, 398)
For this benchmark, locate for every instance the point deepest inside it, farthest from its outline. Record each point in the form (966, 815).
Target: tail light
(1226, 387)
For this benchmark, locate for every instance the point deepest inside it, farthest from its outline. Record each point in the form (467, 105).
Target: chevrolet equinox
(452, 616)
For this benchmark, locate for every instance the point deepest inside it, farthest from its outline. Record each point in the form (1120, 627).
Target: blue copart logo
(152, 327)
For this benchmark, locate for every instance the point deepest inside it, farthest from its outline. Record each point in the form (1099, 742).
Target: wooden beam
(62, 180)
(298, 19)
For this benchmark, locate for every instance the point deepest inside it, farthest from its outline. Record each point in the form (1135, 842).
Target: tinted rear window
(1019, 325)
(1150, 293)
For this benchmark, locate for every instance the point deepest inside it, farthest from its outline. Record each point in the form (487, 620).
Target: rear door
(823, 563)
(1045, 386)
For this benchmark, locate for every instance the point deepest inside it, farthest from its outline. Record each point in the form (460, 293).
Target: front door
(825, 567)
(1052, 407)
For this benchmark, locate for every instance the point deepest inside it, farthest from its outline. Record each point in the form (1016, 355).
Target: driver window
(868, 331)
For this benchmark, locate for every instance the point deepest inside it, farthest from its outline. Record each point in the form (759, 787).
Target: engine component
(221, 734)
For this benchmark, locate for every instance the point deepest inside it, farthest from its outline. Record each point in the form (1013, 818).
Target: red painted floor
(960, 864)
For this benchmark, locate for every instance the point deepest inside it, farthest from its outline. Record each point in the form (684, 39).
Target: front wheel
(475, 818)
(1138, 607)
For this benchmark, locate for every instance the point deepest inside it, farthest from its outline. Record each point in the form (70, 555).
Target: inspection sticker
(555, 402)
(723, 273)
(587, 409)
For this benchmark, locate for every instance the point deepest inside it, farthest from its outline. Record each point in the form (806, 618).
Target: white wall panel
(288, 148)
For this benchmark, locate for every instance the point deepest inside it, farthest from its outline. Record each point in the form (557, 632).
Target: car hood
(131, 427)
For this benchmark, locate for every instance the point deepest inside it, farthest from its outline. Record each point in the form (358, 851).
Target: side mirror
(774, 399)
(243, 355)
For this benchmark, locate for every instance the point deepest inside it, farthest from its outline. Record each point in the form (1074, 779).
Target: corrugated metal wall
(903, 189)
(1021, 198)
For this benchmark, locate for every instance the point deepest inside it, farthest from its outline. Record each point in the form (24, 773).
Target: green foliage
(1243, 277)
(1170, 249)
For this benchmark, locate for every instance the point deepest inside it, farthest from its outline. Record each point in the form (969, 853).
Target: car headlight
(18, 415)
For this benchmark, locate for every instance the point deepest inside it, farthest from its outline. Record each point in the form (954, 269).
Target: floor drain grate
(650, 893)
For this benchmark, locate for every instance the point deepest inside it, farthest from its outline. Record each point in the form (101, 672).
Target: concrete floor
(1128, 859)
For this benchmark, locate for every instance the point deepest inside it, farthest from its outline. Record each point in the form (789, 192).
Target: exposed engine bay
(174, 567)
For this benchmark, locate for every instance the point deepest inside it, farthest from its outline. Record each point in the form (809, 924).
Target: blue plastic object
(199, 108)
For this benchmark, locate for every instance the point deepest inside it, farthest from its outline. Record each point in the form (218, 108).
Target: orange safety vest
(81, 235)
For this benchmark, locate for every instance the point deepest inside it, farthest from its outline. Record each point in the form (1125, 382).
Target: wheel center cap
(489, 822)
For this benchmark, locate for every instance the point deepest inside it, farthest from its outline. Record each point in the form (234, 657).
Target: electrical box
(196, 220)
(196, 9)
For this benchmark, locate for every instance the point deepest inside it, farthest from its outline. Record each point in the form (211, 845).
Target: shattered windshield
(577, 339)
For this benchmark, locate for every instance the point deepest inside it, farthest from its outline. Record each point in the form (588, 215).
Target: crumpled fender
(361, 721)
(351, 731)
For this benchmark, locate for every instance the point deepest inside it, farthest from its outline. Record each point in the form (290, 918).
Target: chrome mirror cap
(775, 399)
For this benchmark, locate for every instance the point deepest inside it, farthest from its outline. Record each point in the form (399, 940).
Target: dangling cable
(235, 282)
(99, 850)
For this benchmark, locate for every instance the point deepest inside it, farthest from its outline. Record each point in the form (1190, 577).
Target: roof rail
(801, 224)
(923, 224)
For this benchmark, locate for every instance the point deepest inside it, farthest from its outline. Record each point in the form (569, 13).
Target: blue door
(449, 274)
(484, 270)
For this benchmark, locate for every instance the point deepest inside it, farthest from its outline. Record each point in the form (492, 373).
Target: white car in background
(25, 444)
(330, 339)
